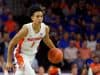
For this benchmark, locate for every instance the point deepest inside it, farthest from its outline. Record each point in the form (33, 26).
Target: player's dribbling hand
(9, 66)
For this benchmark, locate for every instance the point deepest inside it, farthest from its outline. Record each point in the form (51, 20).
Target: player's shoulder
(26, 26)
(45, 25)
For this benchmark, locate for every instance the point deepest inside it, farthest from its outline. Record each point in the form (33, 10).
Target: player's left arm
(47, 39)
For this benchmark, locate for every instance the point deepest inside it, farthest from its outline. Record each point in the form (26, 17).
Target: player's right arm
(21, 34)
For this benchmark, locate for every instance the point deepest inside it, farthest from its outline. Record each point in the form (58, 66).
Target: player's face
(37, 17)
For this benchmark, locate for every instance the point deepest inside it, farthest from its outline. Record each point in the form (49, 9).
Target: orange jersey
(85, 53)
(10, 26)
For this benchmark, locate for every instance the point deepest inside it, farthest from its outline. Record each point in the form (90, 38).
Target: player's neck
(36, 27)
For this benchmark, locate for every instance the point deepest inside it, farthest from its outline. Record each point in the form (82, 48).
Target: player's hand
(9, 66)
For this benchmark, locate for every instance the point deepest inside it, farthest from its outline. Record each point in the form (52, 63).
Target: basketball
(55, 55)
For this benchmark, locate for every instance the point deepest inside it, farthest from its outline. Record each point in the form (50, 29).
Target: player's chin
(39, 22)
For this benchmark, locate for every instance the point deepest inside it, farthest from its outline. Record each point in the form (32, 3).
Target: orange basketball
(55, 55)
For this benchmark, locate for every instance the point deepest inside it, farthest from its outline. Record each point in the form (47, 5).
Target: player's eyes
(39, 16)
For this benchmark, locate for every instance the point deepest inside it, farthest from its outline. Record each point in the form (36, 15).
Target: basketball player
(27, 40)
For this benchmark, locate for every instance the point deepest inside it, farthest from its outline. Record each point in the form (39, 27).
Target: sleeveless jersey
(30, 43)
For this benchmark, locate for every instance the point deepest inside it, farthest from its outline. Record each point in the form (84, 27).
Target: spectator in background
(89, 13)
(56, 22)
(6, 42)
(56, 8)
(58, 27)
(91, 43)
(13, 33)
(95, 21)
(41, 70)
(72, 27)
(78, 41)
(48, 16)
(79, 62)
(84, 51)
(73, 9)
(98, 37)
(74, 69)
(84, 70)
(85, 37)
(10, 24)
(65, 8)
(82, 25)
(63, 43)
(79, 71)
(91, 30)
(2, 6)
(88, 17)
(60, 31)
(2, 54)
(70, 54)
(4, 15)
(72, 35)
(81, 9)
(95, 67)
(53, 70)
(97, 51)
(90, 60)
(94, 10)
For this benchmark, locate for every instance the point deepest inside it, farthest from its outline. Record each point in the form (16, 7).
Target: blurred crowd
(74, 28)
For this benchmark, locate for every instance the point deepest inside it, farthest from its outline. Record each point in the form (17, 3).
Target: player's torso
(32, 40)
